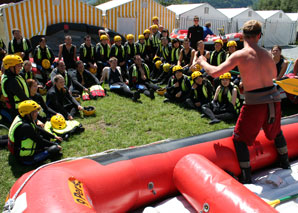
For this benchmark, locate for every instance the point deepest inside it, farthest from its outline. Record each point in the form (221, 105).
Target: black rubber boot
(245, 177)
(282, 150)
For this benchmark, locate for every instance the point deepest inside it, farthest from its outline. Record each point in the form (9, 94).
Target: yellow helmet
(166, 67)
(158, 63)
(76, 96)
(146, 31)
(226, 75)
(155, 18)
(129, 36)
(161, 91)
(93, 70)
(141, 37)
(104, 37)
(45, 63)
(218, 41)
(42, 91)
(90, 110)
(231, 44)
(195, 74)
(177, 68)
(28, 106)
(117, 38)
(154, 26)
(11, 61)
(156, 58)
(58, 121)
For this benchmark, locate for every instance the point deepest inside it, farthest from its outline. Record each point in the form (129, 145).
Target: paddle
(273, 203)
(290, 85)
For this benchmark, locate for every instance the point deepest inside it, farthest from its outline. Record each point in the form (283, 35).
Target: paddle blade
(273, 203)
(290, 85)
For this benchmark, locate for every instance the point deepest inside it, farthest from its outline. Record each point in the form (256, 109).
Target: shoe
(203, 115)
(245, 177)
(136, 96)
(166, 100)
(284, 161)
(214, 121)
(152, 94)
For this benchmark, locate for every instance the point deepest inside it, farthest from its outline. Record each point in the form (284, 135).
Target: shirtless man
(262, 102)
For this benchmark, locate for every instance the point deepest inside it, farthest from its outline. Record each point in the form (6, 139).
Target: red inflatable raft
(125, 180)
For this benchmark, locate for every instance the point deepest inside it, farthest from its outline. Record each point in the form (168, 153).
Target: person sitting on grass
(201, 91)
(85, 83)
(112, 75)
(29, 143)
(59, 99)
(178, 87)
(226, 102)
(140, 77)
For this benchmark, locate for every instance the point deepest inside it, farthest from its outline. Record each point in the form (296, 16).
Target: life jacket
(27, 146)
(102, 50)
(85, 50)
(183, 83)
(142, 48)
(129, 49)
(147, 42)
(117, 50)
(135, 73)
(219, 61)
(72, 127)
(95, 90)
(204, 90)
(24, 42)
(228, 97)
(175, 55)
(165, 52)
(22, 84)
(156, 40)
(48, 53)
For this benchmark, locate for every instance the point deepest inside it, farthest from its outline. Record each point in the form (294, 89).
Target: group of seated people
(128, 69)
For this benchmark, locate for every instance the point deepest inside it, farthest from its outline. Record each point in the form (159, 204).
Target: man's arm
(216, 71)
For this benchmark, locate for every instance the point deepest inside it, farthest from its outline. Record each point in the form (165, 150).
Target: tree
(285, 5)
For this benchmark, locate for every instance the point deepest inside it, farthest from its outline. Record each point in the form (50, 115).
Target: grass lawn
(120, 123)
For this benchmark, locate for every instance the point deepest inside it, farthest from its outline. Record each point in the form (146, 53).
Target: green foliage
(285, 5)
(216, 4)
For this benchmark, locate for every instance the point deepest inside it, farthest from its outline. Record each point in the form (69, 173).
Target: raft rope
(9, 204)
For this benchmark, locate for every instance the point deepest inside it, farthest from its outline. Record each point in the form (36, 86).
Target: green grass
(119, 123)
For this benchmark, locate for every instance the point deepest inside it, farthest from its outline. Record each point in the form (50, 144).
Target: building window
(249, 13)
(206, 10)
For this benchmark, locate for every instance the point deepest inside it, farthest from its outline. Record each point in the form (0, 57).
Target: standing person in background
(207, 30)
(155, 37)
(102, 55)
(19, 45)
(68, 52)
(131, 49)
(195, 33)
(87, 55)
(280, 61)
(262, 108)
(155, 20)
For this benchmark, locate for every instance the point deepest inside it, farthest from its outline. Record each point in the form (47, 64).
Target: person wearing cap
(155, 38)
(195, 33)
(59, 99)
(61, 70)
(112, 75)
(140, 77)
(226, 104)
(232, 47)
(67, 51)
(29, 143)
(19, 45)
(178, 87)
(201, 91)
(2, 51)
(155, 21)
(207, 30)
(102, 55)
(186, 56)
(14, 87)
(149, 44)
(118, 51)
(44, 57)
(85, 83)
(262, 108)
(87, 54)
(144, 53)
(131, 49)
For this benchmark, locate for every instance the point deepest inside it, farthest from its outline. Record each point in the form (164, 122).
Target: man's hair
(208, 24)
(135, 57)
(15, 29)
(186, 39)
(30, 82)
(26, 62)
(86, 37)
(113, 59)
(58, 77)
(200, 42)
(67, 36)
(196, 18)
(252, 28)
(79, 62)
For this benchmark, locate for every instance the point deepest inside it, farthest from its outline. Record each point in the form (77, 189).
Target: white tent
(277, 27)
(206, 13)
(238, 16)
(294, 26)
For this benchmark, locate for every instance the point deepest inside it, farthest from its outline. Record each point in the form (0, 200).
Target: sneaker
(152, 94)
(214, 121)
(166, 100)
(284, 161)
(203, 115)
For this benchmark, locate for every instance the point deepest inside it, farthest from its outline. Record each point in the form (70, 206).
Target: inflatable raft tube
(125, 180)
